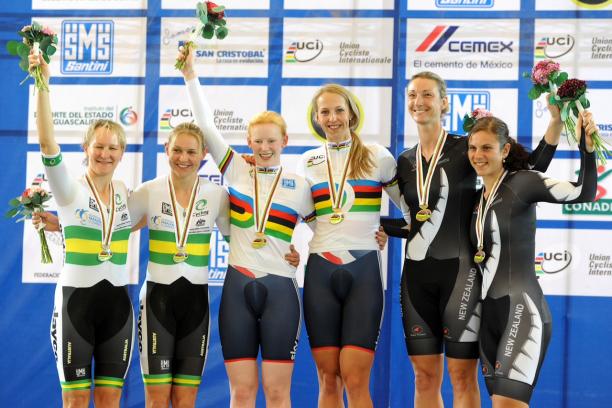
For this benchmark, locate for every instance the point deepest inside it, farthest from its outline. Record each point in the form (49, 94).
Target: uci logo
(554, 47)
(167, 119)
(303, 51)
(461, 103)
(87, 47)
(550, 262)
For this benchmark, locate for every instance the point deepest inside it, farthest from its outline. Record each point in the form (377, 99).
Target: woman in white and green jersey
(92, 316)
(181, 210)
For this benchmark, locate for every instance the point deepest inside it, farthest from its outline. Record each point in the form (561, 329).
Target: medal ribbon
(261, 219)
(424, 187)
(182, 232)
(107, 224)
(336, 195)
(481, 214)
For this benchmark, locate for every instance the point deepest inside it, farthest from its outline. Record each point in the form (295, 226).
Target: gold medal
(107, 217)
(181, 232)
(481, 216)
(424, 214)
(261, 214)
(424, 184)
(479, 256)
(105, 255)
(180, 257)
(337, 217)
(259, 241)
(335, 194)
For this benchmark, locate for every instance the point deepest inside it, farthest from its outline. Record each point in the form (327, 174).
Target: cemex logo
(87, 47)
(462, 102)
(440, 36)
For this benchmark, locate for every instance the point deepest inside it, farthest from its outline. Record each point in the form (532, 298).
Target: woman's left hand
(381, 238)
(293, 257)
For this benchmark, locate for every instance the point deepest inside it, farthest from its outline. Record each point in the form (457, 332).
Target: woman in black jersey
(516, 322)
(440, 283)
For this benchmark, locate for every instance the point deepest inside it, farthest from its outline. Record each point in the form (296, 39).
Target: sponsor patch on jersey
(166, 209)
(288, 183)
(93, 205)
(314, 160)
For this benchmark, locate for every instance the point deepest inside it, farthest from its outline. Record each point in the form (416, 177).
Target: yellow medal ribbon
(335, 196)
(481, 215)
(423, 186)
(261, 218)
(107, 219)
(181, 232)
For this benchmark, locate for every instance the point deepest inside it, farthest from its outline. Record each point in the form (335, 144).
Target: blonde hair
(111, 126)
(189, 128)
(268, 117)
(441, 84)
(362, 161)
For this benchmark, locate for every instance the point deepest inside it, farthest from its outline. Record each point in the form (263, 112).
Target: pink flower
(542, 70)
(48, 31)
(479, 113)
(26, 193)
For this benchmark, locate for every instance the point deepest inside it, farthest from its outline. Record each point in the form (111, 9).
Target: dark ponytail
(518, 158)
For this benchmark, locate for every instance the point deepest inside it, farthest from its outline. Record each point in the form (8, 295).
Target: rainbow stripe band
(229, 155)
(76, 385)
(157, 379)
(241, 209)
(112, 382)
(162, 247)
(83, 245)
(52, 161)
(368, 194)
(187, 380)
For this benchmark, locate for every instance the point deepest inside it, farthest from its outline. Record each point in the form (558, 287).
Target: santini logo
(87, 47)
(441, 35)
(303, 51)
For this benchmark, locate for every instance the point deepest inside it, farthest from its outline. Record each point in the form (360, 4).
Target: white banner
(101, 47)
(463, 49)
(72, 115)
(573, 5)
(564, 266)
(468, 5)
(33, 271)
(584, 50)
(339, 4)
(375, 105)
(501, 102)
(243, 53)
(229, 4)
(88, 4)
(338, 48)
(233, 108)
(600, 101)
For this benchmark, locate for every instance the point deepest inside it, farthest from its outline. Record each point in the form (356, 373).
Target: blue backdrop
(578, 368)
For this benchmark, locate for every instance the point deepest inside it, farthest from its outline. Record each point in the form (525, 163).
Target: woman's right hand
(46, 220)
(37, 60)
(586, 121)
(186, 54)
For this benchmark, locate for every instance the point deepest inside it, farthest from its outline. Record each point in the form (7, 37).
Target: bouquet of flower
(470, 120)
(41, 39)
(546, 77)
(211, 24)
(569, 95)
(30, 201)
(571, 99)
